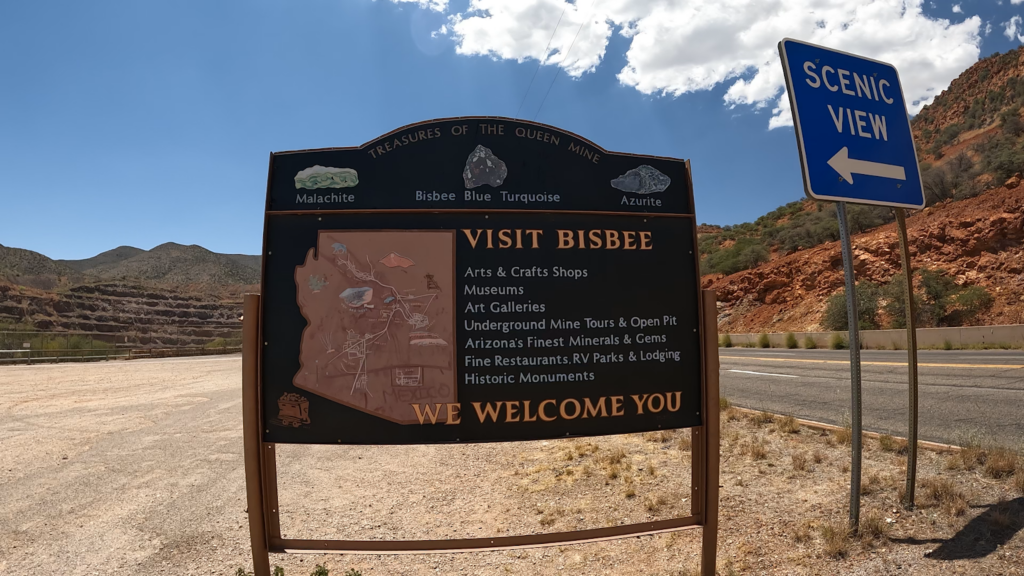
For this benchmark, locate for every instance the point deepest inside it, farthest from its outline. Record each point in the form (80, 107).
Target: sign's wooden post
(251, 434)
(710, 438)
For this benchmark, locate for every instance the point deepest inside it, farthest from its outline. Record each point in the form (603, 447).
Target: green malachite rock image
(326, 177)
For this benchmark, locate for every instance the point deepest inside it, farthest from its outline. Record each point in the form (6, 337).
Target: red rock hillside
(978, 241)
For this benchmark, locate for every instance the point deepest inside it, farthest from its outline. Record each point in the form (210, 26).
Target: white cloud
(988, 27)
(681, 46)
(1014, 29)
(958, 10)
(435, 5)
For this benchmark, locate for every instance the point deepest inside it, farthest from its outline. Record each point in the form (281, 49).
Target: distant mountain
(172, 263)
(169, 264)
(104, 258)
(30, 268)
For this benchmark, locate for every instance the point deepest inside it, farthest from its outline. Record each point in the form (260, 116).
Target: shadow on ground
(981, 536)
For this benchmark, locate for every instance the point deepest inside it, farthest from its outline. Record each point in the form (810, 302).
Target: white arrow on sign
(846, 166)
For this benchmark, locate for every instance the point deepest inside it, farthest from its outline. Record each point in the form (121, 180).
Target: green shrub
(725, 341)
(947, 345)
(278, 571)
(837, 342)
(973, 300)
(320, 570)
(868, 297)
(809, 343)
(791, 341)
(763, 341)
(746, 253)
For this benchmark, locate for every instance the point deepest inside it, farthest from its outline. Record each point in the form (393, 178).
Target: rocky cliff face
(976, 241)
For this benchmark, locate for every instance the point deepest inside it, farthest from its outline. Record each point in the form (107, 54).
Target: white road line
(763, 373)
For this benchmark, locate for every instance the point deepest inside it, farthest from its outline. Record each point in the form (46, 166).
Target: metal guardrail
(98, 354)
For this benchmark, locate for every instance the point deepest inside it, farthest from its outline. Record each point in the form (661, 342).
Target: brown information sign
(472, 280)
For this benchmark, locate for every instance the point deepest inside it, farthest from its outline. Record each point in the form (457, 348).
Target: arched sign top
(478, 163)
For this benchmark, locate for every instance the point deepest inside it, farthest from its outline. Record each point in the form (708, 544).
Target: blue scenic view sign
(852, 127)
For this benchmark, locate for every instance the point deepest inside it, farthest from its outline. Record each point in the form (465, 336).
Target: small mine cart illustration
(293, 409)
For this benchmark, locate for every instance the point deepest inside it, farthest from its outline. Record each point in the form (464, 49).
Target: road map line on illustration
(380, 330)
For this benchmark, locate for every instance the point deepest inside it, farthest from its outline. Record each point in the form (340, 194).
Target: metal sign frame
(260, 454)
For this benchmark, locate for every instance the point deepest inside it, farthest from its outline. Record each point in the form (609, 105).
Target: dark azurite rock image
(483, 167)
(643, 179)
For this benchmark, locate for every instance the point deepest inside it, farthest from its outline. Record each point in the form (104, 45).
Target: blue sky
(140, 123)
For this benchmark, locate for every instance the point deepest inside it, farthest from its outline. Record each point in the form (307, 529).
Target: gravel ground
(136, 468)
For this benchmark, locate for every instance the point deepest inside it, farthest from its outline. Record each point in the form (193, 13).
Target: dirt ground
(136, 468)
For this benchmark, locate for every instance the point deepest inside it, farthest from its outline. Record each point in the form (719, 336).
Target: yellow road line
(920, 364)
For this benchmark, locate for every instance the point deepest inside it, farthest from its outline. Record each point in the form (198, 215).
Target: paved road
(961, 392)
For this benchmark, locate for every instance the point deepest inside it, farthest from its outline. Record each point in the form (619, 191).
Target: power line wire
(580, 29)
(540, 61)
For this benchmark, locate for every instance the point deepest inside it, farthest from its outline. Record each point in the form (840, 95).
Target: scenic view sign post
(472, 280)
(855, 143)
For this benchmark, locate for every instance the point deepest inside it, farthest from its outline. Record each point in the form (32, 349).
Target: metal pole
(853, 320)
(908, 272)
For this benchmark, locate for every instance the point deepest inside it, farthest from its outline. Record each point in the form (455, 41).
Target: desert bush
(868, 298)
(1000, 462)
(890, 444)
(943, 493)
(763, 417)
(873, 526)
(971, 301)
(746, 253)
(809, 343)
(791, 341)
(725, 341)
(763, 341)
(799, 460)
(723, 403)
(756, 449)
(787, 425)
(843, 435)
(836, 537)
(837, 342)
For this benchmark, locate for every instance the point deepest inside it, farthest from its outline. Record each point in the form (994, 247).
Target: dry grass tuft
(1018, 477)
(870, 484)
(818, 457)
(549, 517)
(723, 404)
(684, 443)
(802, 532)
(653, 503)
(732, 415)
(890, 444)
(873, 526)
(1001, 462)
(836, 537)
(585, 448)
(944, 493)
(1001, 518)
(762, 418)
(630, 492)
(615, 457)
(659, 436)
(612, 472)
(756, 449)
(842, 436)
(799, 461)
(787, 425)
(970, 456)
